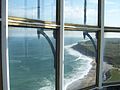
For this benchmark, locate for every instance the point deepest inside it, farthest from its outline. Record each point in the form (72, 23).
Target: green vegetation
(111, 55)
(112, 52)
(115, 75)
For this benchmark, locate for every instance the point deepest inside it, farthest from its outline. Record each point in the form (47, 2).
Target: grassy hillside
(111, 51)
(111, 55)
(114, 75)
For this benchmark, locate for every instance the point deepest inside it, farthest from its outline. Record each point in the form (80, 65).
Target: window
(31, 59)
(74, 12)
(28, 48)
(112, 13)
(92, 12)
(39, 9)
(36, 50)
(32, 51)
(80, 60)
(111, 67)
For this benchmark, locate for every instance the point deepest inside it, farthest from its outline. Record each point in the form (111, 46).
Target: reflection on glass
(111, 70)
(92, 12)
(80, 64)
(31, 60)
(74, 11)
(30, 9)
(112, 13)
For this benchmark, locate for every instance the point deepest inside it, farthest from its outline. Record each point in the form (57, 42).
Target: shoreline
(90, 62)
(87, 80)
(90, 78)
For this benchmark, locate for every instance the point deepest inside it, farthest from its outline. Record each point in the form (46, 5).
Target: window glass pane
(111, 70)
(31, 60)
(112, 13)
(80, 61)
(74, 11)
(29, 9)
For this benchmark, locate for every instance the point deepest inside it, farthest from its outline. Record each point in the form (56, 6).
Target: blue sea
(31, 63)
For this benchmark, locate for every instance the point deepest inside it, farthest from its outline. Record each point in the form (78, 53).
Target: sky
(74, 11)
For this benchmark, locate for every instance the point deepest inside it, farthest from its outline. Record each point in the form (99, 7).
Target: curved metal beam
(85, 33)
(49, 41)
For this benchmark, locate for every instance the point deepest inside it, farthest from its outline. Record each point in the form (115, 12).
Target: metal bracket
(41, 31)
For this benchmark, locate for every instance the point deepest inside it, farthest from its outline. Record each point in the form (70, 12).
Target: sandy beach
(88, 80)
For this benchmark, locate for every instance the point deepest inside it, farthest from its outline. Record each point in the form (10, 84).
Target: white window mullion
(101, 45)
(61, 45)
(4, 31)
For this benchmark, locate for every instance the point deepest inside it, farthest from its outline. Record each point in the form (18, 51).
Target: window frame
(4, 34)
(60, 27)
(112, 83)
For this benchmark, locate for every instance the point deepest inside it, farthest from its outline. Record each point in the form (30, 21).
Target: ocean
(32, 63)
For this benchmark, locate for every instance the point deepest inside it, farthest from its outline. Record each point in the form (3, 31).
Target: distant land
(111, 55)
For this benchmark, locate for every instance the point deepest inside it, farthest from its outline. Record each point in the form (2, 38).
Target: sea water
(32, 63)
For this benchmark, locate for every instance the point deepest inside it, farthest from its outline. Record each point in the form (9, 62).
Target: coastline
(78, 75)
(88, 79)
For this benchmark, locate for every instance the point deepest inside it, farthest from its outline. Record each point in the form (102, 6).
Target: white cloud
(93, 1)
(76, 14)
(110, 2)
(22, 13)
(112, 11)
(92, 13)
(47, 13)
(73, 12)
(112, 35)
